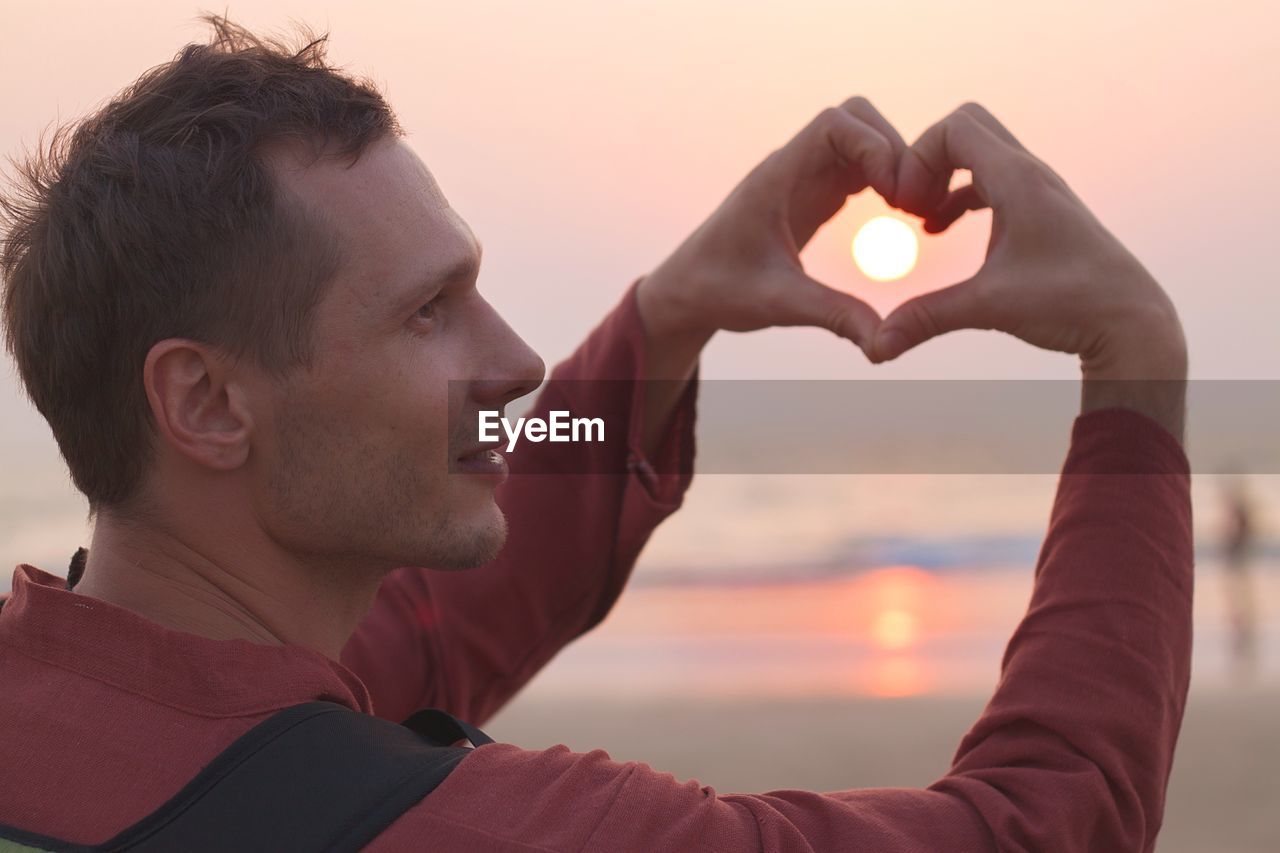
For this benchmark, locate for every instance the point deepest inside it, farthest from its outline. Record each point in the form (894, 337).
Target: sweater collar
(217, 678)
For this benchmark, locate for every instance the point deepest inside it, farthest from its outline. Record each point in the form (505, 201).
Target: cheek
(406, 411)
(396, 397)
(425, 392)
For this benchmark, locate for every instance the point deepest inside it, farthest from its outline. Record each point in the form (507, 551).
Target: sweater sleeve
(466, 641)
(1075, 749)
(1072, 753)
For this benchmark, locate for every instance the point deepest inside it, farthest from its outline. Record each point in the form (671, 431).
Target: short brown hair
(158, 217)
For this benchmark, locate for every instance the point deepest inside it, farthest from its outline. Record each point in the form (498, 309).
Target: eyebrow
(434, 281)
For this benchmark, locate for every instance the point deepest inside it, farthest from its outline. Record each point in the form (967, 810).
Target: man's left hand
(741, 270)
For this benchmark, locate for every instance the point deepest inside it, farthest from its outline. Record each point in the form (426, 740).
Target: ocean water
(885, 632)
(886, 585)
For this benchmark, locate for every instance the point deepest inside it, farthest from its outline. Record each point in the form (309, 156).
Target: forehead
(395, 226)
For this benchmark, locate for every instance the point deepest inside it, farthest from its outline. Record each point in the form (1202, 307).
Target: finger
(862, 147)
(959, 141)
(927, 316)
(987, 120)
(863, 110)
(993, 124)
(956, 204)
(812, 303)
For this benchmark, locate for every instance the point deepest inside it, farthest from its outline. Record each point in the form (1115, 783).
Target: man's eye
(428, 311)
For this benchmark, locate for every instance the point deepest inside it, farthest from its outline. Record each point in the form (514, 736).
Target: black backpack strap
(316, 776)
(443, 728)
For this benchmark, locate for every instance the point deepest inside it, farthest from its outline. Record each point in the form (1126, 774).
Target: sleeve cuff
(666, 475)
(1123, 441)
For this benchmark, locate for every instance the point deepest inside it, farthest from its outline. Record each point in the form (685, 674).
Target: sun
(894, 629)
(885, 248)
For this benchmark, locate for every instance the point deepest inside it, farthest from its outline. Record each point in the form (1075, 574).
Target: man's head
(229, 281)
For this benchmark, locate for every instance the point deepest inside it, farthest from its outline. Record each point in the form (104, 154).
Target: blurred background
(817, 631)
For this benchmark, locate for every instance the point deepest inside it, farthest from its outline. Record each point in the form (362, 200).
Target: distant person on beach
(1238, 541)
(238, 296)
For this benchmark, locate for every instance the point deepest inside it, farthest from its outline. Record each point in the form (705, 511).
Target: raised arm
(1073, 752)
(1075, 749)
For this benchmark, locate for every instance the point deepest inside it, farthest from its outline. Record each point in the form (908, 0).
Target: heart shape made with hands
(917, 181)
(1052, 275)
(741, 269)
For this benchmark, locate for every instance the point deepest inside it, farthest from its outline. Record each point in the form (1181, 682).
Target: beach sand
(1224, 796)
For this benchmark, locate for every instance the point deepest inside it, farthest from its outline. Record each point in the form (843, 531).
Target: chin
(470, 543)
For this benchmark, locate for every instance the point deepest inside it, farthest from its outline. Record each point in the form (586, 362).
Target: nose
(510, 369)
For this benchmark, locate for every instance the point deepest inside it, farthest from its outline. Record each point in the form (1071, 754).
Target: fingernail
(891, 344)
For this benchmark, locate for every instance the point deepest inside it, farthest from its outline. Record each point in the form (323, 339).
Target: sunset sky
(583, 140)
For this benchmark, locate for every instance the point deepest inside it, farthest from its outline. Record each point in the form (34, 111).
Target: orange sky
(583, 140)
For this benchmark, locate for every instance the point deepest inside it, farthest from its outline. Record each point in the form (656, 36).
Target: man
(239, 298)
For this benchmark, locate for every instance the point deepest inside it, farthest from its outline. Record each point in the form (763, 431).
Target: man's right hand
(1053, 275)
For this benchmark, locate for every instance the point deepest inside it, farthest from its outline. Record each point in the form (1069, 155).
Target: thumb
(811, 303)
(927, 316)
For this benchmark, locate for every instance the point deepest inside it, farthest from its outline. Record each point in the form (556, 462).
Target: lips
(482, 461)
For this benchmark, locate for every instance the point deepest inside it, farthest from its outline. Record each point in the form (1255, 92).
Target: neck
(249, 590)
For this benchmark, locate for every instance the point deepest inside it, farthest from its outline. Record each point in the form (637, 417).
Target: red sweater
(107, 714)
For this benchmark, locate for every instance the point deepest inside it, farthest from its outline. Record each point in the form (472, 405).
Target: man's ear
(199, 408)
